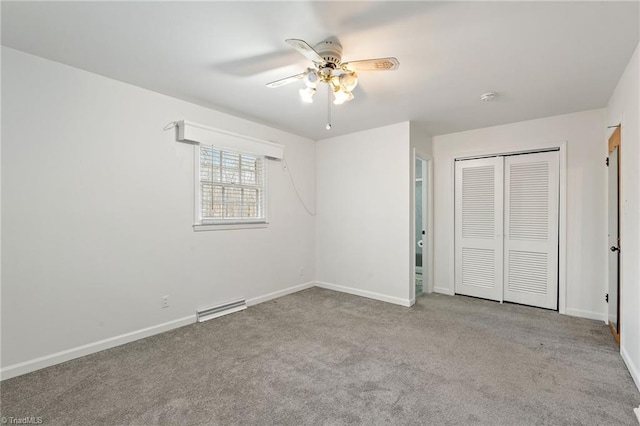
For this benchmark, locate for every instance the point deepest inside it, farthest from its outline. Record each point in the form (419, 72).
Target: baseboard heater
(220, 310)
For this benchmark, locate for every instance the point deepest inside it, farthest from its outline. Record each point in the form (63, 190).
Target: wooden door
(613, 294)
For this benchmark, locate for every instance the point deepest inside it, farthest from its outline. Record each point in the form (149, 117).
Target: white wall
(420, 138)
(97, 214)
(586, 198)
(623, 109)
(363, 223)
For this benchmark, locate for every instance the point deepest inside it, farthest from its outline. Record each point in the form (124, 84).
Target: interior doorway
(613, 299)
(422, 239)
(420, 233)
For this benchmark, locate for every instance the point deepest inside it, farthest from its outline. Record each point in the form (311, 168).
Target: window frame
(200, 224)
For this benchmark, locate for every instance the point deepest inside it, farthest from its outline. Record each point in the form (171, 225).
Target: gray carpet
(319, 357)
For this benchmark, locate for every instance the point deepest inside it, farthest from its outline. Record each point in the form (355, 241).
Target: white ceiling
(542, 58)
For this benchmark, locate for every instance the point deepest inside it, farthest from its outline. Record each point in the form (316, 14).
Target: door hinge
(606, 297)
(607, 162)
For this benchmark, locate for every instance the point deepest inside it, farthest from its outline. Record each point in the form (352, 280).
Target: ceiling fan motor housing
(330, 51)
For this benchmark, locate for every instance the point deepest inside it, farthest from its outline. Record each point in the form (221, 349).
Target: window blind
(231, 186)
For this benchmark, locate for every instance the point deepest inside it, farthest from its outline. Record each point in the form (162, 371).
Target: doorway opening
(613, 294)
(421, 227)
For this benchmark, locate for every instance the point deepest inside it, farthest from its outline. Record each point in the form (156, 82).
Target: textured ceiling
(542, 58)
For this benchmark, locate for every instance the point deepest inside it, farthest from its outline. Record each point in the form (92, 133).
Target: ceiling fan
(328, 68)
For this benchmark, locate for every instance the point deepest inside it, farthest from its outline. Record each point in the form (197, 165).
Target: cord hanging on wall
(295, 188)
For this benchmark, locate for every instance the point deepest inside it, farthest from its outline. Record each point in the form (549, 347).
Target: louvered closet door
(478, 227)
(531, 229)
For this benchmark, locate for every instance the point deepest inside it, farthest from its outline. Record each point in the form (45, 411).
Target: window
(230, 188)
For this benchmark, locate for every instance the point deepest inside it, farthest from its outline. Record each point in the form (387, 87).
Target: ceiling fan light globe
(341, 96)
(310, 78)
(307, 94)
(349, 81)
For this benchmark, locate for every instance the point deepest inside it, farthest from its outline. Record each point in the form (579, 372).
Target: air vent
(220, 310)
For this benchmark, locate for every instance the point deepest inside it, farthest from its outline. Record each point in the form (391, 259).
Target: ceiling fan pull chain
(328, 126)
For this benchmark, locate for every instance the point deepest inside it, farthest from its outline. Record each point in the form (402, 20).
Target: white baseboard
(600, 316)
(637, 411)
(444, 290)
(633, 369)
(364, 293)
(69, 354)
(279, 293)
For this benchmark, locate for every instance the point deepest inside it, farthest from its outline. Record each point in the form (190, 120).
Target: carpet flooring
(319, 357)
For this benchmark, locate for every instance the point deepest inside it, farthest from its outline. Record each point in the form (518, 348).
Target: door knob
(614, 248)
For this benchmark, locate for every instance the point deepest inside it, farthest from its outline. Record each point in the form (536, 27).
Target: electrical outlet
(164, 302)
(301, 272)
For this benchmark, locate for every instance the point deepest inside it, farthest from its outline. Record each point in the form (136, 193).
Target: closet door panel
(531, 229)
(478, 227)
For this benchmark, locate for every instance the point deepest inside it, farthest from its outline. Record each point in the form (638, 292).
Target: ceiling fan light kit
(307, 94)
(328, 68)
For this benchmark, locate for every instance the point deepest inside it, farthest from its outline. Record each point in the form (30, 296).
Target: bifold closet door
(478, 227)
(531, 229)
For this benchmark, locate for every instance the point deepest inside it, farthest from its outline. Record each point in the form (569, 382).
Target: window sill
(228, 226)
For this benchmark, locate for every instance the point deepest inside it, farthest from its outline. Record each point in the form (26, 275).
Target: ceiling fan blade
(258, 64)
(286, 80)
(306, 50)
(380, 64)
